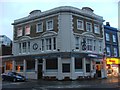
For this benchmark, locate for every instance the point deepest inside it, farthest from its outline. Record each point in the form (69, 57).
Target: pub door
(39, 71)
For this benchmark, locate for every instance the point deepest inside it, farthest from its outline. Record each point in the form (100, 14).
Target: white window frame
(48, 44)
(82, 26)
(107, 37)
(89, 44)
(42, 44)
(19, 31)
(97, 28)
(100, 46)
(20, 47)
(94, 47)
(115, 51)
(27, 33)
(114, 38)
(24, 48)
(90, 27)
(54, 43)
(108, 51)
(47, 25)
(37, 30)
(77, 43)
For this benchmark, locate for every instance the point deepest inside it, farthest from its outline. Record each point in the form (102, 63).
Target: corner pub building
(64, 42)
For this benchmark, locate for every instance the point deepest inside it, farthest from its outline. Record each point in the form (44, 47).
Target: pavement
(111, 83)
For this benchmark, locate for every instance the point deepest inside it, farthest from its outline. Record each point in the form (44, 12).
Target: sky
(11, 10)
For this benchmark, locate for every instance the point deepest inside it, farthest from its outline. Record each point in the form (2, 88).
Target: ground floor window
(51, 64)
(30, 65)
(78, 64)
(19, 68)
(66, 68)
(9, 65)
(87, 67)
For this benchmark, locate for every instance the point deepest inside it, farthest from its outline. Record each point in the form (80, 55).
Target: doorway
(39, 71)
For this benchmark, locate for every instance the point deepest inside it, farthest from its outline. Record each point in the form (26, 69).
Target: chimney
(107, 24)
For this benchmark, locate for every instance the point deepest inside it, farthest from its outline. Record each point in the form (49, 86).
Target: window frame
(48, 29)
(115, 52)
(82, 26)
(90, 26)
(108, 51)
(19, 31)
(77, 42)
(98, 28)
(26, 26)
(40, 23)
(114, 38)
(89, 44)
(107, 35)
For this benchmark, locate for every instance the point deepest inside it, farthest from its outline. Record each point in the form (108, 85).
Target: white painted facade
(65, 43)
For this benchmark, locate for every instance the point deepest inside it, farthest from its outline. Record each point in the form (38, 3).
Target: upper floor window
(19, 31)
(115, 52)
(48, 44)
(77, 42)
(49, 25)
(54, 43)
(89, 27)
(114, 38)
(42, 42)
(80, 25)
(96, 28)
(39, 27)
(27, 29)
(89, 44)
(100, 46)
(107, 37)
(108, 51)
(19, 47)
(24, 47)
(94, 45)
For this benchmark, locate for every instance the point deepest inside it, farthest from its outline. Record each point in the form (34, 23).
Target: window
(87, 67)
(89, 27)
(89, 44)
(52, 63)
(78, 64)
(108, 51)
(19, 31)
(114, 38)
(48, 44)
(50, 25)
(100, 46)
(80, 24)
(107, 37)
(42, 44)
(66, 68)
(30, 66)
(94, 45)
(19, 47)
(54, 43)
(24, 47)
(39, 27)
(76, 42)
(27, 29)
(28, 46)
(96, 28)
(115, 52)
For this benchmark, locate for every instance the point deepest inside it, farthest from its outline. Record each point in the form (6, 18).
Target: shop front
(113, 66)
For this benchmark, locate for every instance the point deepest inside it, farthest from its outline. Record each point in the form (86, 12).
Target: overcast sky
(13, 9)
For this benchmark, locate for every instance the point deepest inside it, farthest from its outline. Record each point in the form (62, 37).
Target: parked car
(13, 76)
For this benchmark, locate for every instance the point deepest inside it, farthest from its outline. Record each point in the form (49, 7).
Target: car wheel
(14, 80)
